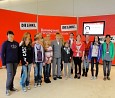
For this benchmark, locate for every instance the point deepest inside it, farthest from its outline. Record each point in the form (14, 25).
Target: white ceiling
(61, 7)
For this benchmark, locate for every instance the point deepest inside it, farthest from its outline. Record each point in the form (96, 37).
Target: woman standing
(26, 57)
(94, 54)
(78, 49)
(48, 53)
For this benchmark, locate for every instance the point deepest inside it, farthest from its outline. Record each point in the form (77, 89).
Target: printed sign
(28, 25)
(70, 27)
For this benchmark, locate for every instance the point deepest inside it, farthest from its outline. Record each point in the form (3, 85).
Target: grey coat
(56, 49)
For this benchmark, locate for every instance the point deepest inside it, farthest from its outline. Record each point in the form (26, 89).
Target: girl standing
(48, 57)
(66, 59)
(26, 57)
(95, 54)
(78, 49)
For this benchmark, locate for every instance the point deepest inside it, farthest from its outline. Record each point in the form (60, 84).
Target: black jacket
(26, 54)
(66, 56)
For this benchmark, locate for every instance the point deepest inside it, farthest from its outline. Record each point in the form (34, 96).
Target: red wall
(109, 24)
(54, 23)
(10, 20)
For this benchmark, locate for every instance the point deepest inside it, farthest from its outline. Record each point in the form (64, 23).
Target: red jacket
(76, 51)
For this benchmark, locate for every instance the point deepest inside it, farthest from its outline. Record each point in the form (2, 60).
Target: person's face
(27, 41)
(48, 36)
(57, 37)
(78, 38)
(10, 37)
(87, 37)
(87, 29)
(96, 39)
(108, 39)
(40, 35)
(66, 45)
(71, 35)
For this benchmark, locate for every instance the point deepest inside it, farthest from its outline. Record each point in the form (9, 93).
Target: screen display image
(93, 28)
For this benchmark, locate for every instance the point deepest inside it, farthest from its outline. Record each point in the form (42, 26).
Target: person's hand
(26, 63)
(34, 65)
(82, 58)
(4, 66)
(63, 62)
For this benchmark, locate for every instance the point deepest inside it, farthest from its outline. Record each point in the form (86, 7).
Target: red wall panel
(54, 23)
(10, 20)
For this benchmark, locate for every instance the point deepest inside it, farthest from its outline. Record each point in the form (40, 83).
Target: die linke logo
(28, 25)
(70, 27)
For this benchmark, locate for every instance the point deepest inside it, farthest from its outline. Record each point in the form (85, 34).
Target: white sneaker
(35, 85)
(7, 92)
(39, 84)
(95, 78)
(24, 89)
(66, 78)
(92, 78)
(28, 87)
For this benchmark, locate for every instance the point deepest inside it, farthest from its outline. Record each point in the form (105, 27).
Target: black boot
(86, 72)
(71, 70)
(83, 72)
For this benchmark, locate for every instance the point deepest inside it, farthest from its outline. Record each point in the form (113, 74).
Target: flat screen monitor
(94, 28)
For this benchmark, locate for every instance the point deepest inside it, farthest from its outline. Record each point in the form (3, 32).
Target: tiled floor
(71, 88)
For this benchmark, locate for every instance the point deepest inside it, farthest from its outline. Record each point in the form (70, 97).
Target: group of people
(44, 55)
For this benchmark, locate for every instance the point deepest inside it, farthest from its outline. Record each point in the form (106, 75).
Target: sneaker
(70, 77)
(28, 87)
(104, 78)
(95, 78)
(55, 78)
(35, 85)
(7, 92)
(92, 78)
(14, 89)
(39, 84)
(75, 76)
(59, 77)
(24, 89)
(49, 81)
(66, 78)
(108, 78)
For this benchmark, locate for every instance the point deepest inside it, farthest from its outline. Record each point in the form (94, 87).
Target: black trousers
(92, 66)
(77, 62)
(11, 72)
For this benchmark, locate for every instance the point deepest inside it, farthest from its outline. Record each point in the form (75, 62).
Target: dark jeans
(46, 71)
(11, 72)
(92, 66)
(107, 65)
(77, 62)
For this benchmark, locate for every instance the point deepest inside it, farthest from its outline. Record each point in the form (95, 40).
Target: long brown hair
(25, 36)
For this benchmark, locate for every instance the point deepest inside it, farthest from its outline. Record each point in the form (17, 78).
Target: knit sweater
(10, 52)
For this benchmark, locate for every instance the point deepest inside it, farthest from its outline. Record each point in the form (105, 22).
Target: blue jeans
(46, 71)
(25, 77)
(85, 63)
(11, 72)
(38, 72)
